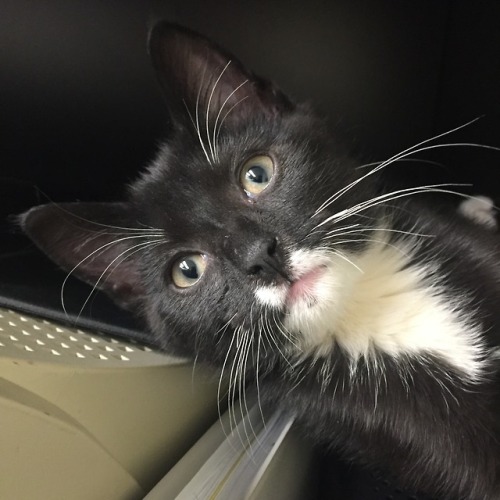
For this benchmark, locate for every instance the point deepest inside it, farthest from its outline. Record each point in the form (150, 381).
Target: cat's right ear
(92, 241)
(203, 81)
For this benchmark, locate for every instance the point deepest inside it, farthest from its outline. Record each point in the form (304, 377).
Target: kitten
(254, 243)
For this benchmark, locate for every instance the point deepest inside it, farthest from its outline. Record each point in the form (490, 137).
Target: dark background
(81, 112)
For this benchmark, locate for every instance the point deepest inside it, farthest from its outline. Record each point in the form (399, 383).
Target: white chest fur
(374, 302)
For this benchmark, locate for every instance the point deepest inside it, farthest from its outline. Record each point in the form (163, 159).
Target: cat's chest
(379, 301)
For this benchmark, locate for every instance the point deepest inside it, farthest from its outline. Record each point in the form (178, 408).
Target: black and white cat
(255, 244)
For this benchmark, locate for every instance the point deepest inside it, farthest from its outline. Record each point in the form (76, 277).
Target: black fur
(418, 417)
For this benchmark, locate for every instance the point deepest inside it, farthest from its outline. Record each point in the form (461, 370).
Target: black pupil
(257, 174)
(189, 269)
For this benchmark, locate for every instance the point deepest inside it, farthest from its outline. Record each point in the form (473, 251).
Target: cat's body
(415, 413)
(254, 244)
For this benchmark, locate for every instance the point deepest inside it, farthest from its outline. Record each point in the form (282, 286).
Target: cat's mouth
(304, 289)
(308, 285)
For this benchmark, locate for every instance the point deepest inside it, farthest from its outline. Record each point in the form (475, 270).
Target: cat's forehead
(185, 197)
(194, 187)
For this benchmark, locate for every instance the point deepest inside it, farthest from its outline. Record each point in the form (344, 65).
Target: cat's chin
(309, 271)
(303, 291)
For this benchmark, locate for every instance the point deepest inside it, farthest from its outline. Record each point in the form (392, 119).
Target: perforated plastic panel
(38, 339)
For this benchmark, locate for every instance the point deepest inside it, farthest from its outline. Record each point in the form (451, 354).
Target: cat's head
(226, 243)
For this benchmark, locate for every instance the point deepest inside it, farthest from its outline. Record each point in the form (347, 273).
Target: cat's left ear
(202, 80)
(94, 242)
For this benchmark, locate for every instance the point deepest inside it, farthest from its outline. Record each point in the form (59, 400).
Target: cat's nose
(263, 259)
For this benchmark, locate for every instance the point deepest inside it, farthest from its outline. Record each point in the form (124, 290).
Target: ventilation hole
(87, 347)
(26, 333)
(36, 327)
(64, 346)
(55, 353)
(40, 342)
(13, 338)
(2, 345)
(79, 355)
(114, 341)
(59, 330)
(11, 323)
(124, 358)
(1, 329)
(28, 348)
(22, 318)
(101, 356)
(109, 349)
(50, 336)
(94, 340)
(73, 339)
(80, 331)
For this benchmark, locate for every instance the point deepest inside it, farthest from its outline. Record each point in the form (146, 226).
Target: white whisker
(349, 261)
(237, 379)
(407, 152)
(126, 230)
(207, 111)
(393, 195)
(243, 396)
(215, 134)
(257, 368)
(269, 332)
(226, 115)
(289, 336)
(221, 379)
(232, 383)
(371, 240)
(413, 160)
(197, 117)
(334, 234)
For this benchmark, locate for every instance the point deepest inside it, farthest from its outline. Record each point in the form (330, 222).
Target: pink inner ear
(86, 239)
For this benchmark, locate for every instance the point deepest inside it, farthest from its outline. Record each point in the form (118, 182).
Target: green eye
(256, 174)
(187, 270)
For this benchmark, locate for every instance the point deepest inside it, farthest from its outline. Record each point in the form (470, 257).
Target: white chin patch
(271, 296)
(309, 271)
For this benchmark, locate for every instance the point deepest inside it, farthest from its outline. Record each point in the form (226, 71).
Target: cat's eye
(256, 174)
(187, 270)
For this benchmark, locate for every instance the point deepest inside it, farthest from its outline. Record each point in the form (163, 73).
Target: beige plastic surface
(289, 475)
(76, 403)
